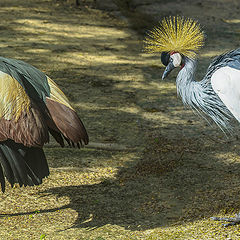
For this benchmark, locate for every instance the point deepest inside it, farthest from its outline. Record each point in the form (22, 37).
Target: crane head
(177, 38)
(171, 60)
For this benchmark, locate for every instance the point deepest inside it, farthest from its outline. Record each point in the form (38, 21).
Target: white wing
(226, 83)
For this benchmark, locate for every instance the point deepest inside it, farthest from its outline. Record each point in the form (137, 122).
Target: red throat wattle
(171, 53)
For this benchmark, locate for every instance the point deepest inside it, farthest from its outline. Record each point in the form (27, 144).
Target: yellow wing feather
(56, 94)
(13, 98)
(176, 34)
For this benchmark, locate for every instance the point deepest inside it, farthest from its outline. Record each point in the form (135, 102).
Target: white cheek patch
(177, 59)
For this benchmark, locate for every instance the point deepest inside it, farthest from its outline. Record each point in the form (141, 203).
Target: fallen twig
(108, 146)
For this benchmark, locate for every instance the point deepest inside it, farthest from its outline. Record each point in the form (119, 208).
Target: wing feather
(64, 116)
(67, 122)
(23, 165)
(20, 118)
(226, 83)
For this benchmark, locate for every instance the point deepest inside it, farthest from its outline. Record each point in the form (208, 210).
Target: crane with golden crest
(217, 95)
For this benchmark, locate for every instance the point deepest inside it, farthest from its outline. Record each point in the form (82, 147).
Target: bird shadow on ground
(176, 180)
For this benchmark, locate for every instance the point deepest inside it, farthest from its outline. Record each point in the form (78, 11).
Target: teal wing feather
(31, 79)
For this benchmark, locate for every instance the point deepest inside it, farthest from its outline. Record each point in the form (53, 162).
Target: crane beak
(167, 70)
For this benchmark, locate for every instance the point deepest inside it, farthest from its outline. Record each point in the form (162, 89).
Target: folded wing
(31, 106)
(64, 117)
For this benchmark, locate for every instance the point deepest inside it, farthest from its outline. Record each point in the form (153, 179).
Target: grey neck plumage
(201, 97)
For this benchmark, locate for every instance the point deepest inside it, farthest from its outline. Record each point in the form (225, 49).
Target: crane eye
(165, 56)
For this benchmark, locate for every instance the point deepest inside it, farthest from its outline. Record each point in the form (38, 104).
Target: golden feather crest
(176, 34)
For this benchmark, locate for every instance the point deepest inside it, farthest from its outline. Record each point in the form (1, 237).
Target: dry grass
(181, 172)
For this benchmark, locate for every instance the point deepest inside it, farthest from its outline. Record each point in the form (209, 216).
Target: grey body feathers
(200, 96)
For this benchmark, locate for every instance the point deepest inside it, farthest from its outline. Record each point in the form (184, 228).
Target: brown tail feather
(67, 121)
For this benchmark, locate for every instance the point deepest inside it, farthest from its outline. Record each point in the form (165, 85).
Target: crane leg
(231, 221)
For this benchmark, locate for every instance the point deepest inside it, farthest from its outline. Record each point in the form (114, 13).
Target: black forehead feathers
(165, 58)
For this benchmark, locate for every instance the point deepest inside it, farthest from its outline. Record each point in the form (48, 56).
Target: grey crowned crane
(217, 95)
(31, 107)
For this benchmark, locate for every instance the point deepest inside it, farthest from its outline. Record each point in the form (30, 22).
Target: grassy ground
(178, 170)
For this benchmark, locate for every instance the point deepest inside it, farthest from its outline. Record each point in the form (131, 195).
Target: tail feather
(16, 163)
(7, 170)
(20, 164)
(2, 180)
(37, 162)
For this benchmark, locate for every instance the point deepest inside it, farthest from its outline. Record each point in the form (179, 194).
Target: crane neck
(186, 84)
(200, 96)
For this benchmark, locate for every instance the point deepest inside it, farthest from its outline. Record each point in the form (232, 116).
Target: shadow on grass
(177, 180)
